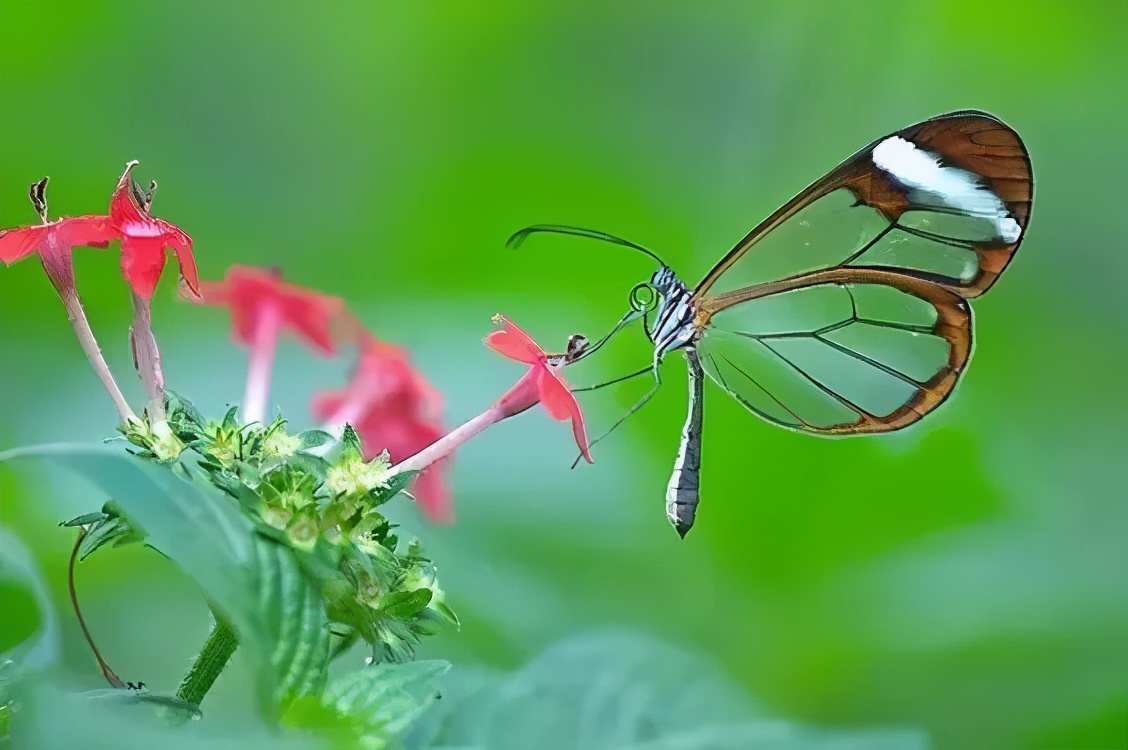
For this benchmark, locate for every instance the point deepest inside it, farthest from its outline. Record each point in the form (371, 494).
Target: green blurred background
(966, 577)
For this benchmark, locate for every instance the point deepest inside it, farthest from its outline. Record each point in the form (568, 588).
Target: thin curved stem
(109, 674)
(93, 352)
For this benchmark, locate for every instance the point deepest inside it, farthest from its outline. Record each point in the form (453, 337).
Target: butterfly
(845, 312)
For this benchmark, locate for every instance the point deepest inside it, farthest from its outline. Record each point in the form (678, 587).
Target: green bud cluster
(321, 497)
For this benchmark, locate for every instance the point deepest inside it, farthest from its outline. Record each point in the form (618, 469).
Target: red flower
(544, 382)
(392, 407)
(54, 240)
(257, 297)
(144, 239)
(262, 306)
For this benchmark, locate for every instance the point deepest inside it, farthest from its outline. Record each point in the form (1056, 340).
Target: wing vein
(766, 392)
(836, 396)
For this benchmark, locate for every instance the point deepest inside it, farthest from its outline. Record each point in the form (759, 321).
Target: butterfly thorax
(673, 326)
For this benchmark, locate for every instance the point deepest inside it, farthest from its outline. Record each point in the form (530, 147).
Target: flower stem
(85, 336)
(448, 443)
(261, 364)
(147, 357)
(213, 657)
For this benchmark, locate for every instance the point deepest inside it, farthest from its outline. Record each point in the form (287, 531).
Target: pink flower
(392, 407)
(256, 296)
(54, 241)
(544, 382)
(144, 239)
(262, 306)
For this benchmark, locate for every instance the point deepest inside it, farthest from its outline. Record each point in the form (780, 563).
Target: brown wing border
(969, 139)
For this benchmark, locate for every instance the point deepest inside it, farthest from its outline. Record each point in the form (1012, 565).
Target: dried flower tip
(144, 198)
(38, 194)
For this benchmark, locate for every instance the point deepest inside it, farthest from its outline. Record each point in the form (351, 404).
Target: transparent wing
(945, 201)
(848, 355)
(845, 311)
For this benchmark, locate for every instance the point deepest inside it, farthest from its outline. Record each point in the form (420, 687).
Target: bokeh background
(967, 578)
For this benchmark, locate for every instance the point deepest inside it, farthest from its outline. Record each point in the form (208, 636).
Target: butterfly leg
(638, 405)
(596, 387)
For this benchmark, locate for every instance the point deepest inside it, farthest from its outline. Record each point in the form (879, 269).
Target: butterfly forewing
(844, 312)
(945, 201)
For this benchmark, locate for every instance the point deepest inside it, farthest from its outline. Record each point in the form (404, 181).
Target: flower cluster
(389, 403)
(319, 493)
(143, 239)
(324, 504)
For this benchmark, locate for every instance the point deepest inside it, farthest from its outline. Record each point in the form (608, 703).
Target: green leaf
(444, 609)
(85, 520)
(7, 703)
(396, 484)
(40, 644)
(108, 527)
(309, 439)
(176, 707)
(299, 625)
(230, 423)
(177, 403)
(234, 487)
(260, 590)
(350, 442)
(387, 698)
(621, 691)
(315, 466)
(56, 715)
(403, 604)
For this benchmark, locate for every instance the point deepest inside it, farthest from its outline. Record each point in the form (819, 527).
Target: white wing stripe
(958, 188)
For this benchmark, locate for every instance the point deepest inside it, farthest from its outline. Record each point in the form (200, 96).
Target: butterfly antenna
(519, 238)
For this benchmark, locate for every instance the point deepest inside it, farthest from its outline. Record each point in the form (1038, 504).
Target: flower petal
(510, 341)
(579, 432)
(522, 395)
(247, 291)
(58, 264)
(554, 394)
(142, 260)
(84, 231)
(123, 209)
(561, 404)
(181, 244)
(17, 244)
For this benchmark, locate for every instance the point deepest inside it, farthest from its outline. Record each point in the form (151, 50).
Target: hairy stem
(147, 357)
(261, 364)
(521, 397)
(93, 353)
(448, 443)
(209, 663)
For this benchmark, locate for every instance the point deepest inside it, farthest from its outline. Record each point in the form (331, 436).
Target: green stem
(213, 657)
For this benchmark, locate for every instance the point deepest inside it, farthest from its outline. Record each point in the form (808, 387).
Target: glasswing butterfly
(846, 311)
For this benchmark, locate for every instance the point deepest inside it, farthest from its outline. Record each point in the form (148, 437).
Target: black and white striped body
(673, 323)
(682, 491)
(674, 329)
